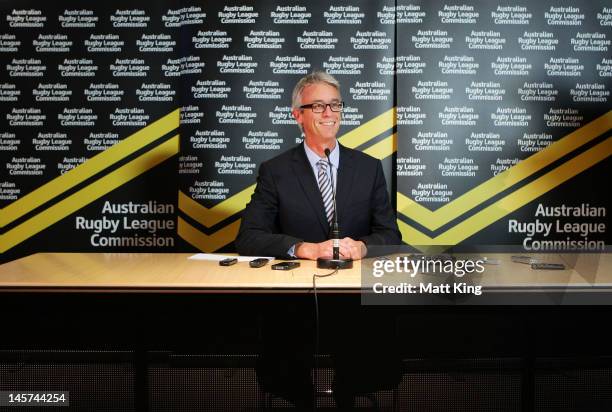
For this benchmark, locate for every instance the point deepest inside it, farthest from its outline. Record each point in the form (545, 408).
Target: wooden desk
(124, 272)
(157, 272)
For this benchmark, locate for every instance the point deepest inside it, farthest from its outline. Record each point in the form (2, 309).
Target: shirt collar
(313, 158)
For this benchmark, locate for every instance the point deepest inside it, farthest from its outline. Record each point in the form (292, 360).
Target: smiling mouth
(328, 123)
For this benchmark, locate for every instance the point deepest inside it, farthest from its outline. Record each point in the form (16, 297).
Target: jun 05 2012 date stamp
(34, 398)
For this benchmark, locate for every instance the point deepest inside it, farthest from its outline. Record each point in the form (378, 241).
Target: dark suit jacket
(287, 208)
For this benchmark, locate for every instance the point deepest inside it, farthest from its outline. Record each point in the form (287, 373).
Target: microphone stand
(335, 262)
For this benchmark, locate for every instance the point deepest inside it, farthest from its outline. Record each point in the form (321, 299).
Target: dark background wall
(462, 101)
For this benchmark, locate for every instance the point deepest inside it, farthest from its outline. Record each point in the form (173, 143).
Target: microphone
(335, 262)
(335, 233)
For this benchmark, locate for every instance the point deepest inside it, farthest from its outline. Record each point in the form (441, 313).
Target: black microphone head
(327, 152)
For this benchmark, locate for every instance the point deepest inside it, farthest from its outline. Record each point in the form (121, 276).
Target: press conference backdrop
(139, 126)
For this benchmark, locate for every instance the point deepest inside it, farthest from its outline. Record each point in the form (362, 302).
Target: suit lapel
(307, 180)
(344, 184)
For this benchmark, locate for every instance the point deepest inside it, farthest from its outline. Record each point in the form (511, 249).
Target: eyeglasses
(320, 107)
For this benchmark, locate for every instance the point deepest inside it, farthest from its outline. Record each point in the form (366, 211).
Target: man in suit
(289, 216)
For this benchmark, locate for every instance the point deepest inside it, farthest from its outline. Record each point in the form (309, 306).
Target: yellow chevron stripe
(89, 193)
(418, 240)
(511, 202)
(204, 242)
(217, 213)
(384, 148)
(434, 220)
(369, 130)
(418, 213)
(415, 237)
(89, 168)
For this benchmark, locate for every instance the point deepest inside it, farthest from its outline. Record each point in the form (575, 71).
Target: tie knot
(322, 164)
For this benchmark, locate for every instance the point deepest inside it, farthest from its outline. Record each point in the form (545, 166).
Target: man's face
(319, 128)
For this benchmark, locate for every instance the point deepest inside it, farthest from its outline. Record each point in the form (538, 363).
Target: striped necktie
(325, 188)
